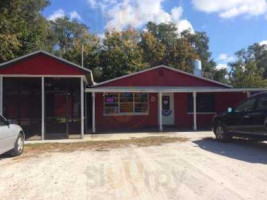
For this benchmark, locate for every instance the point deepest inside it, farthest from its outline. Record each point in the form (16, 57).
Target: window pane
(262, 105)
(111, 98)
(126, 102)
(246, 106)
(141, 107)
(111, 103)
(126, 107)
(140, 97)
(205, 103)
(140, 100)
(126, 97)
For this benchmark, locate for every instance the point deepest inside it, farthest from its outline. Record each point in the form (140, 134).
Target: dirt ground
(164, 168)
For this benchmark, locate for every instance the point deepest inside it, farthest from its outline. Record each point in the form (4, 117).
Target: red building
(53, 98)
(45, 95)
(160, 97)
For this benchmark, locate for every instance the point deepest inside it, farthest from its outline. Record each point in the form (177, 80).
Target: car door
(239, 121)
(259, 116)
(5, 136)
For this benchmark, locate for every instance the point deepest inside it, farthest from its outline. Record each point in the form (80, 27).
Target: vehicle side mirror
(229, 110)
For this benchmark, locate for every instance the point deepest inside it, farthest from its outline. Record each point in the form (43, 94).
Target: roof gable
(162, 76)
(41, 63)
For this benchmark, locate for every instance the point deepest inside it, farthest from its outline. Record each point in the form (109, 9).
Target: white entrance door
(167, 109)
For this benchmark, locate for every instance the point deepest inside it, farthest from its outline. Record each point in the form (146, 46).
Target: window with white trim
(125, 103)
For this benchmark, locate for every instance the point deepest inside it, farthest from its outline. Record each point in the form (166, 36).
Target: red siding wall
(131, 122)
(161, 77)
(41, 64)
(183, 120)
(222, 101)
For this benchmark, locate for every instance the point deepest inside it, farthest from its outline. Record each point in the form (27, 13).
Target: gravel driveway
(200, 168)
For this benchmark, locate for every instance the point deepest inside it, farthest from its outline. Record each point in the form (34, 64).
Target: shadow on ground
(243, 150)
(4, 156)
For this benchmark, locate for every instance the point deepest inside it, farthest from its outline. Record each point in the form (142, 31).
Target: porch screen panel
(22, 104)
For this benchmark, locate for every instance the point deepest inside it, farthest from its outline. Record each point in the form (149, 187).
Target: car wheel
(222, 134)
(19, 146)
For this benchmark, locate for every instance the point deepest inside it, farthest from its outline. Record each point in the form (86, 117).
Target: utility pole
(82, 55)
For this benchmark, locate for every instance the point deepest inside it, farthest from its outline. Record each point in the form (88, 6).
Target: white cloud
(57, 14)
(232, 8)
(75, 15)
(60, 13)
(221, 66)
(225, 58)
(264, 42)
(123, 14)
(92, 3)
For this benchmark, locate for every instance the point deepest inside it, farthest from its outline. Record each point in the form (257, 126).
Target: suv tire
(222, 133)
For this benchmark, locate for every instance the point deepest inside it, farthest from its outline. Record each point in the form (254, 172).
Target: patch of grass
(101, 145)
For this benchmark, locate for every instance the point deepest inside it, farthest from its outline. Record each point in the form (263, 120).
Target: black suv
(248, 120)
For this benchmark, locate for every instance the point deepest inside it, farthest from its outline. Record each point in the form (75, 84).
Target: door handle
(246, 117)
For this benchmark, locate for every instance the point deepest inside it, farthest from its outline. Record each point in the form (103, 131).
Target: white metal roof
(166, 67)
(172, 89)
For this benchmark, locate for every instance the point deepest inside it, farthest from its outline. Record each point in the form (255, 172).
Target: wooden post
(160, 111)
(43, 108)
(93, 113)
(82, 108)
(195, 110)
(1, 95)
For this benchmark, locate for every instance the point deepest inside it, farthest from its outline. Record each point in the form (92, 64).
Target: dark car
(248, 120)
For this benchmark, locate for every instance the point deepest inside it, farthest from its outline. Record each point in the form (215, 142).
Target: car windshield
(246, 105)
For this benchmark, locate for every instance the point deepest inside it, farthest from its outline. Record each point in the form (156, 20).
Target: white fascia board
(166, 67)
(48, 54)
(174, 90)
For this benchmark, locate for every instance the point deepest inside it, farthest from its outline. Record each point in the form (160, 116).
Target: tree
(120, 54)
(153, 49)
(162, 45)
(250, 68)
(247, 76)
(200, 43)
(23, 29)
(68, 33)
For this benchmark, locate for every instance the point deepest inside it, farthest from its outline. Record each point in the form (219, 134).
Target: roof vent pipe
(197, 68)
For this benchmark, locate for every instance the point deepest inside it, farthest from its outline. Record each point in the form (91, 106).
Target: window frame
(133, 113)
(198, 112)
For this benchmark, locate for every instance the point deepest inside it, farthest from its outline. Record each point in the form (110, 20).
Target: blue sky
(230, 24)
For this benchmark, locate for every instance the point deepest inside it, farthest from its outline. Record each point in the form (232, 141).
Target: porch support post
(1, 95)
(93, 112)
(248, 94)
(43, 108)
(195, 110)
(82, 108)
(160, 112)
